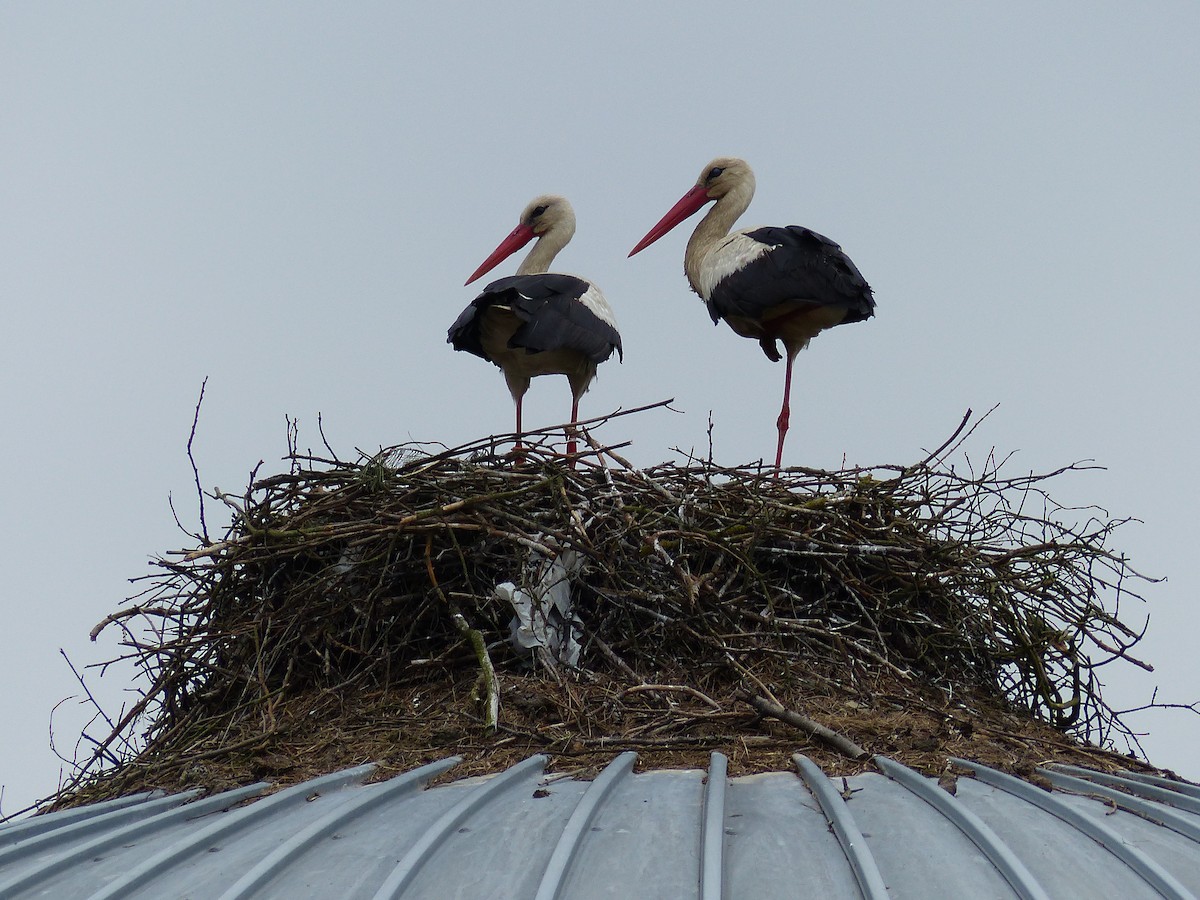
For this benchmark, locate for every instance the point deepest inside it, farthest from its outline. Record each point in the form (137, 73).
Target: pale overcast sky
(286, 198)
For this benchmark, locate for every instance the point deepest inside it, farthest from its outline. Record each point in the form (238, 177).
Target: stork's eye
(537, 211)
(715, 172)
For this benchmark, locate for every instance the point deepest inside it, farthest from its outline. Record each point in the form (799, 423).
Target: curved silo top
(682, 833)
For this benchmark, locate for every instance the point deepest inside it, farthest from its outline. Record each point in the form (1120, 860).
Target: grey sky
(287, 198)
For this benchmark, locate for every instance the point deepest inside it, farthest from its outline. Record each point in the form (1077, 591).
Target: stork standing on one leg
(771, 284)
(538, 323)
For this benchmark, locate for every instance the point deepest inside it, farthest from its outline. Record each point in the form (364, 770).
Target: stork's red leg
(518, 449)
(571, 445)
(785, 413)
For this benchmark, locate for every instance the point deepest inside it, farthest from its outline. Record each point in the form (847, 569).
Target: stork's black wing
(552, 316)
(801, 265)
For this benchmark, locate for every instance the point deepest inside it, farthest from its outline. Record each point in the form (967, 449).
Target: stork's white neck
(542, 254)
(714, 227)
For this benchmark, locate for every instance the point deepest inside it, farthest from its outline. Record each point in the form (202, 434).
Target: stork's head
(546, 215)
(549, 212)
(724, 175)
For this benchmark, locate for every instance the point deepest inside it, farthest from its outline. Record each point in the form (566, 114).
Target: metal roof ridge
(19, 829)
(1007, 863)
(234, 821)
(405, 870)
(1147, 809)
(271, 864)
(122, 834)
(572, 835)
(41, 841)
(837, 813)
(1180, 787)
(712, 829)
(1138, 788)
(1144, 866)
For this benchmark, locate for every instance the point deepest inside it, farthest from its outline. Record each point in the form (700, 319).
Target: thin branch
(192, 460)
(810, 727)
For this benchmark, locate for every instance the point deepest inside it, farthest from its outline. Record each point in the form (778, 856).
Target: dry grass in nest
(349, 613)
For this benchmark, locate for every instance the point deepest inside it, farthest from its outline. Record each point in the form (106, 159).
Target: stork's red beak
(517, 238)
(688, 204)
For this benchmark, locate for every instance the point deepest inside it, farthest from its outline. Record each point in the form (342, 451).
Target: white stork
(771, 284)
(538, 323)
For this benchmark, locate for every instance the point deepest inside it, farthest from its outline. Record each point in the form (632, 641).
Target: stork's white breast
(731, 255)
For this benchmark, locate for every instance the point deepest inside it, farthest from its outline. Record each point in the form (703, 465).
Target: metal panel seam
(1138, 788)
(226, 825)
(712, 834)
(126, 833)
(1180, 787)
(1007, 863)
(1141, 864)
(274, 862)
(10, 832)
(837, 813)
(405, 870)
(40, 843)
(568, 843)
(1154, 812)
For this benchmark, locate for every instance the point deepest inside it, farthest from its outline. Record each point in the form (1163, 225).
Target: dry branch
(810, 727)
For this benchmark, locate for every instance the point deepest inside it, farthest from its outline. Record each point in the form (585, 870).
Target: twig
(192, 460)
(810, 727)
(677, 688)
(474, 637)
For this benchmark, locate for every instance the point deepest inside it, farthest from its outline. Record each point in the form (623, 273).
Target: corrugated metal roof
(658, 834)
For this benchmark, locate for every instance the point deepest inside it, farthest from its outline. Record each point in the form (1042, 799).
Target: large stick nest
(350, 612)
